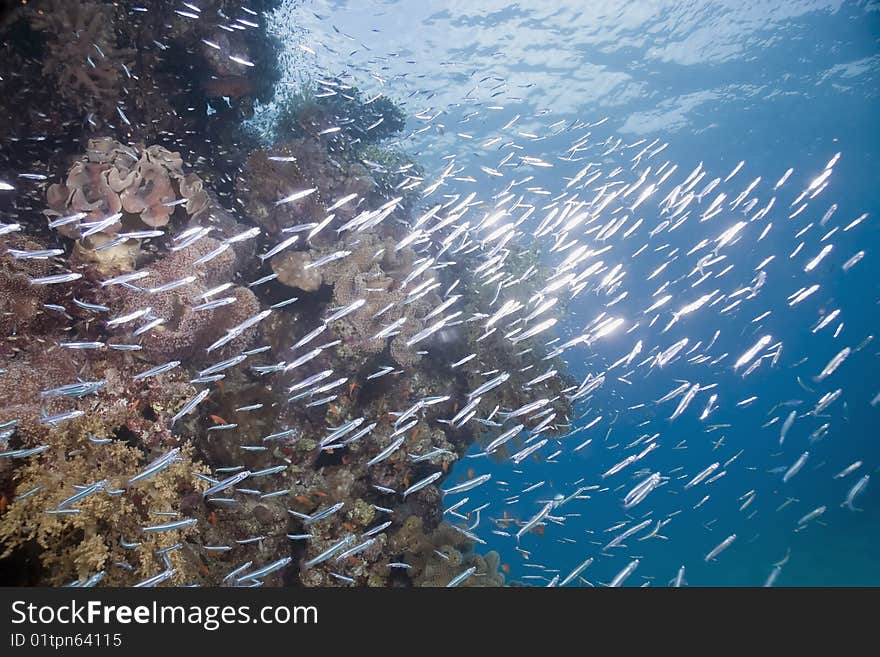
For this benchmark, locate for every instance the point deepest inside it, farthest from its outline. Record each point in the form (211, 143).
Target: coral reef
(76, 546)
(330, 103)
(294, 269)
(21, 304)
(141, 184)
(132, 88)
(121, 425)
(438, 556)
(244, 364)
(305, 164)
(141, 74)
(186, 333)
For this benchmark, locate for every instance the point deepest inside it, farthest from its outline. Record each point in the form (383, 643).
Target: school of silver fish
(669, 266)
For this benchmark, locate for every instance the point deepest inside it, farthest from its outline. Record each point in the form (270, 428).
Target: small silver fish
(628, 570)
(56, 278)
(458, 579)
(295, 196)
(467, 485)
(718, 549)
(857, 489)
(226, 483)
(423, 483)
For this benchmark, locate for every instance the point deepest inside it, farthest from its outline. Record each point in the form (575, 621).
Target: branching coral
(93, 536)
(123, 425)
(264, 181)
(82, 54)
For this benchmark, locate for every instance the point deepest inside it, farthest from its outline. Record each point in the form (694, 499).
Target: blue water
(776, 84)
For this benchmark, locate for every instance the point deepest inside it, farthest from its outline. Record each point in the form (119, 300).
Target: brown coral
(360, 275)
(82, 57)
(186, 333)
(291, 270)
(140, 183)
(263, 182)
(438, 556)
(79, 545)
(20, 302)
(110, 261)
(147, 185)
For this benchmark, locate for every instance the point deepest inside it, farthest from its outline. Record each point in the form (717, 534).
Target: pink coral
(141, 183)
